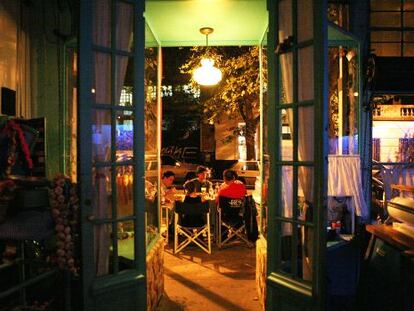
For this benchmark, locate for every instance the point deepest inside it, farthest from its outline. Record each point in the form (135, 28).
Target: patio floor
(224, 280)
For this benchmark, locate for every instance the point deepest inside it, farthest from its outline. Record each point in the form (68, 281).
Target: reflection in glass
(343, 101)
(102, 247)
(101, 135)
(306, 249)
(101, 90)
(286, 116)
(305, 16)
(305, 74)
(124, 81)
(124, 135)
(306, 140)
(124, 188)
(124, 26)
(126, 246)
(102, 22)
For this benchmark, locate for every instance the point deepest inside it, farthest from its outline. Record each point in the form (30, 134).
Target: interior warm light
(207, 74)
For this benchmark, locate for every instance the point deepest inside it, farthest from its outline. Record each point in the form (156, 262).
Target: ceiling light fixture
(207, 74)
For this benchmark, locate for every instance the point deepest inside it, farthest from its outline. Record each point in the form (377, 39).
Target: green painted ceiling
(235, 22)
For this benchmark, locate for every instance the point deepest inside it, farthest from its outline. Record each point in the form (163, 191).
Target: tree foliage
(238, 94)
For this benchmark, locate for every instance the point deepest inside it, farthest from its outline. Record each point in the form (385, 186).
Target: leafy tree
(237, 95)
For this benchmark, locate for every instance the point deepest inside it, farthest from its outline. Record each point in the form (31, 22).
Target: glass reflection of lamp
(207, 74)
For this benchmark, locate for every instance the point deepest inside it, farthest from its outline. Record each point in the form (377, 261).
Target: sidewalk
(224, 280)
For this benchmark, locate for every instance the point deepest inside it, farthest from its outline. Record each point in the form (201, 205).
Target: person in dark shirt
(200, 181)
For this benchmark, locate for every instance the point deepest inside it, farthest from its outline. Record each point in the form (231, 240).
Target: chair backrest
(231, 208)
(191, 208)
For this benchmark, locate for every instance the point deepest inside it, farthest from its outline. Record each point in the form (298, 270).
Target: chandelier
(207, 74)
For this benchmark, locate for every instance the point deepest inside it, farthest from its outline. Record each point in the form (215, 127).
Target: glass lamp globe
(207, 74)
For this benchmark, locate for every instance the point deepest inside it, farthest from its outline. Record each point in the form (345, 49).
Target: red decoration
(11, 129)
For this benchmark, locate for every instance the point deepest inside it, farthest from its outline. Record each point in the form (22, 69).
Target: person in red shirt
(231, 188)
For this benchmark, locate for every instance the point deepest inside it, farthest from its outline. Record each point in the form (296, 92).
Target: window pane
(409, 5)
(126, 249)
(101, 135)
(102, 83)
(102, 194)
(409, 49)
(305, 74)
(285, 19)
(408, 18)
(286, 96)
(306, 249)
(102, 22)
(124, 190)
(102, 248)
(384, 36)
(124, 135)
(151, 216)
(285, 248)
(386, 19)
(124, 26)
(287, 192)
(124, 81)
(409, 36)
(305, 16)
(305, 193)
(385, 5)
(286, 116)
(386, 49)
(306, 140)
(151, 103)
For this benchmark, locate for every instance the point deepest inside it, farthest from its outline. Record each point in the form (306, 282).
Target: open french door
(111, 38)
(297, 54)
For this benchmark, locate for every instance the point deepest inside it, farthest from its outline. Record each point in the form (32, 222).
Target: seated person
(167, 189)
(201, 180)
(231, 188)
(191, 196)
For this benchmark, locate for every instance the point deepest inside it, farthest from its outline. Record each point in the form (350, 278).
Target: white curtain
(344, 179)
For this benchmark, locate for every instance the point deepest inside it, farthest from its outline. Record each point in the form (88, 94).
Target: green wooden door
(111, 39)
(297, 45)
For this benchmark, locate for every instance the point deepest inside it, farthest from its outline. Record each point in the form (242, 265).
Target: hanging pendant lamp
(207, 74)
